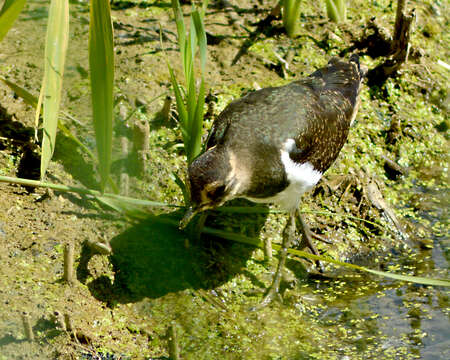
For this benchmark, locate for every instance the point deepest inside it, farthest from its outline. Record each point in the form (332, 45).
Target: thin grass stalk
(192, 41)
(342, 9)
(84, 191)
(291, 13)
(57, 39)
(201, 36)
(336, 10)
(257, 243)
(8, 14)
(101, 62)
(198, 111)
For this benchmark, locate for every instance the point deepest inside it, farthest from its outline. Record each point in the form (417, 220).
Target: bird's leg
(288, 236)
(197, 228)
(307, 238)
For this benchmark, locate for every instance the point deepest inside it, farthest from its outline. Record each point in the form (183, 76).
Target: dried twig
(68, 263)
(174, 351)
(28, 330)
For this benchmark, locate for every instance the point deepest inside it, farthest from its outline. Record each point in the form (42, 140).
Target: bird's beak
(188, 216)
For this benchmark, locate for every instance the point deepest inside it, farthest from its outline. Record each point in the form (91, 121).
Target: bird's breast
(301, 177)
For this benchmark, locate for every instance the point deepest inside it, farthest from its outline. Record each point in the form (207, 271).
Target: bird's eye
(217, 192)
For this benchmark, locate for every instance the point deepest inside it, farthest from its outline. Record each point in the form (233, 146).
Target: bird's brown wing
(235, 111)
(332, 102)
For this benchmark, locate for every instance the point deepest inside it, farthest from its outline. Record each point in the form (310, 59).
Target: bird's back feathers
(314, 112)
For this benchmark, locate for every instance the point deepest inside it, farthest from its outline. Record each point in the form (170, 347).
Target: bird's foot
(276, 292)
(271, 294)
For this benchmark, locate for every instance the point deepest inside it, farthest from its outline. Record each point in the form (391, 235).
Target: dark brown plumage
(274, 144)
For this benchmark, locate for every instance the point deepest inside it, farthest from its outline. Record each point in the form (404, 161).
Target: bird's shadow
(154, 258)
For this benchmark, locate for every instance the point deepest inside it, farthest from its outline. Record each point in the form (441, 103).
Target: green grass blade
(291, 13)
(189, 103)
(55, 54)
(190, 106)
(188, 61)
(409, 278)
(192, 42)
(336, 10)
(197, 124)
(182, 187)
(101, 62)
(191, 94)
(29, 98)
(94, 193)
(182, 111)
(8, 14)
(342, 9)
(204, 7)
(181, 30)
(6, 5)
(201, 36)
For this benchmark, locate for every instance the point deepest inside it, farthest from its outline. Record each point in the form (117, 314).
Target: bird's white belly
(302, 177)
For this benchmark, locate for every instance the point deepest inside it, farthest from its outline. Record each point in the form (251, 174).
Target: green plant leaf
(8, 14)
(336, 10)
(291, 13)
(6, 5)
(101, 62)
(342, 9)
(55, 55)
(181, 29)
(197, 123)
(94, 193)
(201, 36)
(204, 7)
(182, 111)
(182, 186)
(29, 98)
(192, 41)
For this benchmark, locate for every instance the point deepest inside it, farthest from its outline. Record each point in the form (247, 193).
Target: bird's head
(211, 183)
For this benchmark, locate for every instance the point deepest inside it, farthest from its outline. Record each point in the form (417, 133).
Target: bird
(274, 144)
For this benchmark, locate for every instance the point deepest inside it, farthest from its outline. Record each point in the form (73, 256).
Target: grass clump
(190, 100)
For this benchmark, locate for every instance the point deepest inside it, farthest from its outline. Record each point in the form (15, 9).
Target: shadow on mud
(154, 258)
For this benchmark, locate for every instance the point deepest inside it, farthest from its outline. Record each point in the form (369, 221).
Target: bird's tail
(345, 77)
(362, 70)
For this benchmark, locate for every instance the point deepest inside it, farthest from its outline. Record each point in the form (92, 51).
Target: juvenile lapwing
(274, 144)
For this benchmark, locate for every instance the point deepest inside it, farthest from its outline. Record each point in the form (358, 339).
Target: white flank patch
(302, 177)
